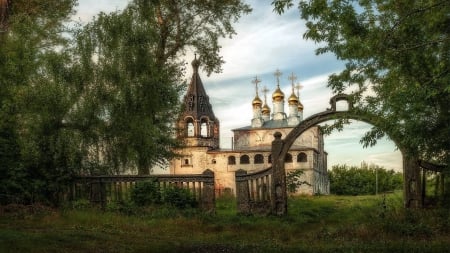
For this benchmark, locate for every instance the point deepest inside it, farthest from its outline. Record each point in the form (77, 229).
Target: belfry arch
(411, 171)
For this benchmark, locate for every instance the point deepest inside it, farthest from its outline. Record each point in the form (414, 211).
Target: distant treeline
(363, 180)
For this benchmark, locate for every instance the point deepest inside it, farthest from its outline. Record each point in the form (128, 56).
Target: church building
(251, 148)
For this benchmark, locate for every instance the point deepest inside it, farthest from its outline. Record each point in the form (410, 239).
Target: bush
(149, 193)
(179, 197)
(146, 193)
(352, 180)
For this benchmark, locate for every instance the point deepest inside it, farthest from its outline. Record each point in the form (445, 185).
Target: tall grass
(313, 224)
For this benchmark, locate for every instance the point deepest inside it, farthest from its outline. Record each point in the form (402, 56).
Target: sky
(265, 42)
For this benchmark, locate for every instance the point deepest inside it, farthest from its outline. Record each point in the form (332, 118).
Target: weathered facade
(251, 151)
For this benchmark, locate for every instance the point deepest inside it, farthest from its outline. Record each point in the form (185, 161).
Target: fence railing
(103, 189)
(253, 191)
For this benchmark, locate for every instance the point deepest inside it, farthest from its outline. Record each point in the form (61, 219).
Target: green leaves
(397, 63)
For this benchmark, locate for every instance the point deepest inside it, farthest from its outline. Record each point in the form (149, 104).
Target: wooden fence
(253, 191)
(103, 189)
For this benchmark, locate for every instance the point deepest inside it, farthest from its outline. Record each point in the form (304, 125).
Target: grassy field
(314, 224)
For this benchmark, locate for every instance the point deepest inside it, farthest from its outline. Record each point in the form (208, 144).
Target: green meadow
(314, 224)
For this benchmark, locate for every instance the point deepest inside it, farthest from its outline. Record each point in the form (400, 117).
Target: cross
(298, 87)
(255, 82)
(265, 90)
(292, 77)
(277, 74)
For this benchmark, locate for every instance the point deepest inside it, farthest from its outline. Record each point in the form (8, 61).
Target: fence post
(208, 199)
(98, 193)
(279, 196)
(242, 192)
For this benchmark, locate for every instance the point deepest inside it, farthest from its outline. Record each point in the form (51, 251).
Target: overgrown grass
(314, 224)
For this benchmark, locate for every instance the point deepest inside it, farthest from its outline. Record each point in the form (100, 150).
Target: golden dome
(300, 106)
(293, 99)
(278, 95)
(265, 110)
(257, 101)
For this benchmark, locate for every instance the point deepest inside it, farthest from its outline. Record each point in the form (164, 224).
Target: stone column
(242, 192)
(412, 183)
(278, 194)
(208, 200)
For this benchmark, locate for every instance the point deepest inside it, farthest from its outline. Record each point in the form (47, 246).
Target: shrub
(178, 197)
(146, 193)
(352, 180)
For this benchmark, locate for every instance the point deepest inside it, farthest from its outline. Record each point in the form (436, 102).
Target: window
(302, 158)
(213, 161)
(288, 158)
(259, 159)
(190, 127)
(204, 128)
(231, 160)
(270, 159)
(244, 159)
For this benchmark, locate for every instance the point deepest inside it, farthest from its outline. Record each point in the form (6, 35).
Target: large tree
(32, 154)
(131, 68)
(102, 103)
(397, 55)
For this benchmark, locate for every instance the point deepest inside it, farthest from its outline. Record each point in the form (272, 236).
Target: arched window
(190, 131)
(231, 160)
(302, 158)
(244, 159)
(288, 158)
(204, 128)
(259, 159)
(186, 161)
(270, 159)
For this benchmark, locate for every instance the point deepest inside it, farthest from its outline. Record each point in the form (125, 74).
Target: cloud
(265, 42)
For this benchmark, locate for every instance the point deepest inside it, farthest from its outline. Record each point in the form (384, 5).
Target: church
(199, 131)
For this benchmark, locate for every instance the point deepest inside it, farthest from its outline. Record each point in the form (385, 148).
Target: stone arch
(411, 169)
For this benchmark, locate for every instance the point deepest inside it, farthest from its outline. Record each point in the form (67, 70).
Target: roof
(271, 124)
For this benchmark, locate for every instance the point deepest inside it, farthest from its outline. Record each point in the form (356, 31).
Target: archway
(411, 170)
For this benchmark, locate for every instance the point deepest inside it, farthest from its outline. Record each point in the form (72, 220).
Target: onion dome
(293, 99)
(257, 101)
(278, 95)
(265, 110)
(300, 106)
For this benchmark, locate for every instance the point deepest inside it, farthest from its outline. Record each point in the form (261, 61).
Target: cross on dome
(298, 87)
(256, 81)
(277, 74)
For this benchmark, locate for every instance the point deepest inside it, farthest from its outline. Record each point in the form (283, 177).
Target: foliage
(314, 224)
(179, 197)
(293, 180)
(99, 98)
(397, 66)
(146, 193)
(352, 180)
(149, 193)
(34, 155)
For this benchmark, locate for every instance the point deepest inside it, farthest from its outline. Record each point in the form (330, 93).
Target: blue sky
(265, 42)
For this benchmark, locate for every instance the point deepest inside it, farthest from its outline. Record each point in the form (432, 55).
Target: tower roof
(196, 100)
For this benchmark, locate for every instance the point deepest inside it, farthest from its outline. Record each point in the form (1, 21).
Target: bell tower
(198, 126)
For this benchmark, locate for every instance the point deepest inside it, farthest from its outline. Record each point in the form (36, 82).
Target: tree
(353, 180)
(101, 102)
(131, 74)
(30, 99)
(397, 65)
